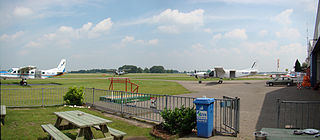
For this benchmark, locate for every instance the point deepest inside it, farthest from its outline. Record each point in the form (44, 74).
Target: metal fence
(29, 97)
(137, 105)
(298, 114)
(148, 107)
(227, 116)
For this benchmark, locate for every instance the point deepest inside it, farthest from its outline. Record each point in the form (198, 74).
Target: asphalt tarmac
(257, 101)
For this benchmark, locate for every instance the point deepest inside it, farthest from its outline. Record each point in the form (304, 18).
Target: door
(37, 74)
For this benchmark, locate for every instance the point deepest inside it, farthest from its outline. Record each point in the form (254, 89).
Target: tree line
(129, 69)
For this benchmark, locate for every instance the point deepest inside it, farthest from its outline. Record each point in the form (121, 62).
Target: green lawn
(25, 123)
(145, 86)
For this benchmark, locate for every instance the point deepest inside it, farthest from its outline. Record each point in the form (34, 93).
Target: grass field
(100, 81)
(26, 124)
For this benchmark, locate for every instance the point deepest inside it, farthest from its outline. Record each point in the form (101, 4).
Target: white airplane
(119, 72)
(31, 72)
(219, 72)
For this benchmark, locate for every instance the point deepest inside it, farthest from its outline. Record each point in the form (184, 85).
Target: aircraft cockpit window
(43, 72)
(32, 72)
(14, 71)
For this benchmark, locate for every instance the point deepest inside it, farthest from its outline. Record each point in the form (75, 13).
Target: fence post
(42, 97)
(238, 115)
(121, 103)
(92, 96)
(278, 110)
(166, 101)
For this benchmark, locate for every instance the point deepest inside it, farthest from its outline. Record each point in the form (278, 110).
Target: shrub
(180, 120)
(74, 96)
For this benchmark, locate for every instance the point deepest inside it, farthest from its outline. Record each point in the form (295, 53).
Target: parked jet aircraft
(219, 72)
(30, 72)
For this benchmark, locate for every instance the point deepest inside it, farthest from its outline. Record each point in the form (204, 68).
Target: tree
(146, 70)
(129, 68)
(157, 69)
(304, 66)
(297, 67)
(139, 70)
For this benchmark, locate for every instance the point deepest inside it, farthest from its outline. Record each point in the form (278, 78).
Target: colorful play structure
(128, 97)
(124, 80)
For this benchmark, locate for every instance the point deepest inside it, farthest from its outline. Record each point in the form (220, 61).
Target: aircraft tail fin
(62, 65)
(253, 65)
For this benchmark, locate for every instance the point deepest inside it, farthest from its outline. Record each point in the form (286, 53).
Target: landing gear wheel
(270, 84)
(220, 82)
(23, 83)
(199, 82)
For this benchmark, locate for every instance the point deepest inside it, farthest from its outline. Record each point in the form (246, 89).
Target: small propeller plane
(219, 72)
(31, 72)
(119, 72)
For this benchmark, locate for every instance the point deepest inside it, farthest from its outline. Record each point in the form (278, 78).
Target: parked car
(280, 81)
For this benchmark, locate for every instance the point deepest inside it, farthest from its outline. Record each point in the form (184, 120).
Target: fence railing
(148, 107)
(298, 114)
(29, 97)
(227, 116)
(137, 105)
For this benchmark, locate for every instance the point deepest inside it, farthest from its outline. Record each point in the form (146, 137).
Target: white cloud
(6, 37)
(283, 17)
(207, 30)
(261, 48)
(236, 34)
(50, 36)
(217, 37)
(168, 29)
(153, 41)
(174, 16)
(33, 44)
(103, 26)
(86, 27)
(65, 29)
(288, 33)
(263, 33)
(22, 11)
(128, 40)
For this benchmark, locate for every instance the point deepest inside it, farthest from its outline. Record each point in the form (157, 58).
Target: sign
(202, 116)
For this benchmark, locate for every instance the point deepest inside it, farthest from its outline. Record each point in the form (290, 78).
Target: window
(14, 71)
(43, 72)
(32, 72)
(10, 70)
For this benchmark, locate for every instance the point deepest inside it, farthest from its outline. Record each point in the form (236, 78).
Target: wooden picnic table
(84, 121)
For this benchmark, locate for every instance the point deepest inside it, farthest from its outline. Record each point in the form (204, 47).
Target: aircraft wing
(26, 69)
(219, 72)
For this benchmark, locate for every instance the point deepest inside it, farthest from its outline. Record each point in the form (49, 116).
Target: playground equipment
(124, 80)
(128, 98)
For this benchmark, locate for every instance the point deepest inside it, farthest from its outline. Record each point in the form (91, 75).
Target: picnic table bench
(3, 113)
(118, 135)
(54, 132)
(84, 122)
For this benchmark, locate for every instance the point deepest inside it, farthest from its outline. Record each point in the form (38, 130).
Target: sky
(183, 35)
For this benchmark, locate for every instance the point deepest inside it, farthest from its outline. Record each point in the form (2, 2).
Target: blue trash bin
(204, 108)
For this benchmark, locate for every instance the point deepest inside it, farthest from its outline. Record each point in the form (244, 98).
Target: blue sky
(180, 34)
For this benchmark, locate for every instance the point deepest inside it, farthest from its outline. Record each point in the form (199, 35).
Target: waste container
(204, 109)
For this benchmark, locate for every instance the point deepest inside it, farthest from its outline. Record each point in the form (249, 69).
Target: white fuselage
(30, 72)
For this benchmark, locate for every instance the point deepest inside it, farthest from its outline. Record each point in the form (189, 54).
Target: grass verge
(25, 123)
